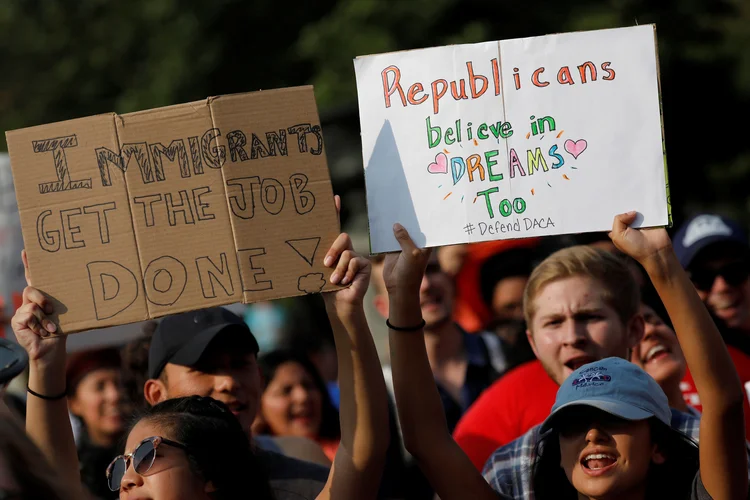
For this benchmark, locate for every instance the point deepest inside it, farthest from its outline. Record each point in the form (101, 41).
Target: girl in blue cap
(609, 435)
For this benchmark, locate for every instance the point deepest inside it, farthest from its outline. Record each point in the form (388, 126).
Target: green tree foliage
(63, 59)
(704, 64)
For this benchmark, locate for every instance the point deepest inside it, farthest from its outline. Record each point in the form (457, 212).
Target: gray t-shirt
(698, 491)
(293, 479)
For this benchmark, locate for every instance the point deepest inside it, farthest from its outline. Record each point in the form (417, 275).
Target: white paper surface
(605, 155)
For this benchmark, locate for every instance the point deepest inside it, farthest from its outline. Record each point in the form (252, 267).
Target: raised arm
(420, 410)
(723, 455)
(47, 420)
(358, 465)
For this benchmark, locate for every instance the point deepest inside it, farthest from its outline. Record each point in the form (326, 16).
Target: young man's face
(720, 276)
(436, 294)
(573, 325)
(225, 373)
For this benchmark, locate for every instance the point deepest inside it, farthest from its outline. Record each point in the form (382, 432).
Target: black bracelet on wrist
(405, 328)
(47, 398)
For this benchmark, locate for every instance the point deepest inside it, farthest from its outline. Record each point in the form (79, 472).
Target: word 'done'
(136, 216)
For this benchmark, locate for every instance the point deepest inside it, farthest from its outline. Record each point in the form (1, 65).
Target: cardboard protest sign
(136, 216)
(511, 139)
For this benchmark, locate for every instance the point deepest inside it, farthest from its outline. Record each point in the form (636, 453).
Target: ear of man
(636, 327)
(155, 391)
(530, 336)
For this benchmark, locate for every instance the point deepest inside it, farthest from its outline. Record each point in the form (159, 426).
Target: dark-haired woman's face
(659, 352)
(97, 402)
(170, 478)
(602, 455)
(292, 404)
(507, 298)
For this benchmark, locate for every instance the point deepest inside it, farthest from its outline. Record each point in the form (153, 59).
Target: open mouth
(726, 304)
(431, 302)
(655, 353)
(236, 407)
(598, 463)
(578, 362)
(304, 416)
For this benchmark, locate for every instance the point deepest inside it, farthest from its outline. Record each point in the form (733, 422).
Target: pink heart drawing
(575, 148)
(440, 165)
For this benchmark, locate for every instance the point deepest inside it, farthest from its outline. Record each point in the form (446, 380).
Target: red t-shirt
(515, 403)
(742, 365)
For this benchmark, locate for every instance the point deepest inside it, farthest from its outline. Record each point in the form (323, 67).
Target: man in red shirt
(591, 312)
(580, 305)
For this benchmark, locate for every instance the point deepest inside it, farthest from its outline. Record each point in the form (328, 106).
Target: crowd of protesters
(604, 366)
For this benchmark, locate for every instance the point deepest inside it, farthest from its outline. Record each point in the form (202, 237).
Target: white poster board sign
(512, 139)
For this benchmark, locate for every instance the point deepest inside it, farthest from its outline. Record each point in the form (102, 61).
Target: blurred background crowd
(62, 60)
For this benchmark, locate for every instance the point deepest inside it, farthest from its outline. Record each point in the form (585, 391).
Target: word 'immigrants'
(192, 154)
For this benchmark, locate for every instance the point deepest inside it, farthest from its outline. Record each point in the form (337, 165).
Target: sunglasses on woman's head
(143, 458)
(734, 273)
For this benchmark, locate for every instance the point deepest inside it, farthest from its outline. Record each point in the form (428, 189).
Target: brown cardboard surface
(180, 214)
(135, 216)
(278, 189)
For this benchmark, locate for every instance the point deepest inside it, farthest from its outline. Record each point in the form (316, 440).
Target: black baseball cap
(705, 230)
(182, 338)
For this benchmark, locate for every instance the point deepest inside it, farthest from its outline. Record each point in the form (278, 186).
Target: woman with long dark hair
(95, 394)
(296, 402)
(202, 445)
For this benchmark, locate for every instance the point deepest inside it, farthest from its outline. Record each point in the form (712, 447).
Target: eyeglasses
(143, 458)
(734, 273)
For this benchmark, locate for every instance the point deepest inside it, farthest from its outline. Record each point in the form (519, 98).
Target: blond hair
(619, 289)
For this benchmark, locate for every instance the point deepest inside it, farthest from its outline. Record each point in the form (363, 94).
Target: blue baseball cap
(703, 230)
(615, 386)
